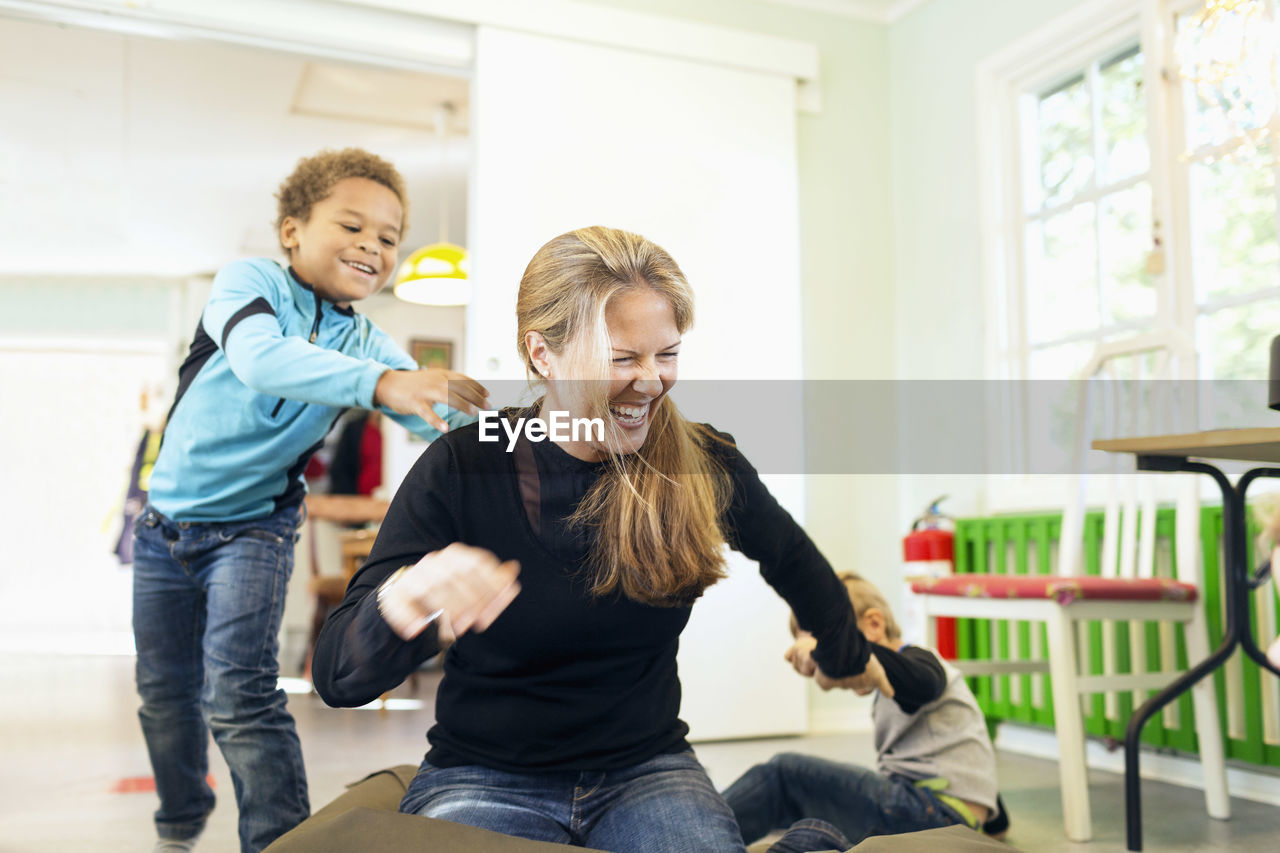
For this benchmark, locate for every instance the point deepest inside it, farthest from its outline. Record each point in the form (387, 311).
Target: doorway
(143, 164)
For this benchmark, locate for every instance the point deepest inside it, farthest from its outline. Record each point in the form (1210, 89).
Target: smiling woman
(601, 314)
(642, 335)
(561, 575)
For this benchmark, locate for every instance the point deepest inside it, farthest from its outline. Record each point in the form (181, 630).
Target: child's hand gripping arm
(800, 656)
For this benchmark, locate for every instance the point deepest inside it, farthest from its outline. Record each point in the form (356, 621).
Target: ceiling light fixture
(438, 274)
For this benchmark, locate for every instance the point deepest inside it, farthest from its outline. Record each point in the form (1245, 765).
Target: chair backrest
(1161, 368)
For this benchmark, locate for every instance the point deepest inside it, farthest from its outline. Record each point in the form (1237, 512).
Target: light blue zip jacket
(270, 370)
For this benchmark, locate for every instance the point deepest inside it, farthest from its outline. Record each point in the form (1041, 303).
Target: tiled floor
(68, 732)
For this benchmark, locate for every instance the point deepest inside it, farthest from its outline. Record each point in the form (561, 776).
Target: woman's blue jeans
(664, 805)
(208, 600)
(859, 802)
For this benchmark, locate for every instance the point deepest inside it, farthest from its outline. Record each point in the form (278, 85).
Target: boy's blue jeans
(857, 801)
(208, 600)
(663, 805)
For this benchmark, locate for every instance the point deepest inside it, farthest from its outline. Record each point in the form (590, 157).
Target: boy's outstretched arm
(415, 392)
(242, 318)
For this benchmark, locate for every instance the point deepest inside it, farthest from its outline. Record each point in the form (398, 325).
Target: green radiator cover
(1022, 544)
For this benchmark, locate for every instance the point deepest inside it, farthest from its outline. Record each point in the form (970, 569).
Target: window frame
(1033, 65)
(1050, 55)
(1182, 161)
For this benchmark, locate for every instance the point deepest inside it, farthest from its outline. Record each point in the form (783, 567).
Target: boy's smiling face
(348, 247)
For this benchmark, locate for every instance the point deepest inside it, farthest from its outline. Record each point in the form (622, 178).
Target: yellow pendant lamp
(435, 275)
(438, 274)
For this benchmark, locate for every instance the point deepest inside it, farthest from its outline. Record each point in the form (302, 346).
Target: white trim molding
(1037, 59)
(587, 22)
(1067, 41)
(879, 11)
(431, 32)
(435, 36)
(368, 36)
(1258, 786)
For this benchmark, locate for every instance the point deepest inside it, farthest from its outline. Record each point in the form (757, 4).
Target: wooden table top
(346, 509)
(1255, 444)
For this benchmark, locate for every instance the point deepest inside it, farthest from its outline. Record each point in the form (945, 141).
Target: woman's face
(643, 368)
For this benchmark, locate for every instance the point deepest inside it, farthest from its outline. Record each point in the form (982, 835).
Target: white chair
(1128, 590)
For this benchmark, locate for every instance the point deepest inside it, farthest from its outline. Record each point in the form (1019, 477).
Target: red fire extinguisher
(928, 551)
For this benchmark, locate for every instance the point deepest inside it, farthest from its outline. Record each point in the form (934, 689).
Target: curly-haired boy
(276, 358)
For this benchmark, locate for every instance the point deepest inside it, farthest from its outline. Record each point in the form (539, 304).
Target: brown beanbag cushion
(953, 839)
(366, 818)
(960, 839)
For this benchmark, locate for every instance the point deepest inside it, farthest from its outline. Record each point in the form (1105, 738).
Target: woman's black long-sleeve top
(560, 680)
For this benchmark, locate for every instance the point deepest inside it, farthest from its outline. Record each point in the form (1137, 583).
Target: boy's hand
(465, 587)
(800, 656)
(414, 392)
(871, 678)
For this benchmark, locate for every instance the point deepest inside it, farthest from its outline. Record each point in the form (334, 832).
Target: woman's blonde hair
(655, 514)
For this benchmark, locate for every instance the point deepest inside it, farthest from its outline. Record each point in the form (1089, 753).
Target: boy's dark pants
(208, 599)
(857, 801)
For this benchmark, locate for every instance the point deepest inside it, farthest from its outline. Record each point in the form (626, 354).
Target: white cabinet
(701, 159)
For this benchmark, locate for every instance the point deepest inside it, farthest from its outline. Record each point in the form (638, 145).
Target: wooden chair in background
(328, 589)
(1128, 589)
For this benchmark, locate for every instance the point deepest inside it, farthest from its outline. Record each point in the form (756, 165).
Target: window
(1132, 201)
(1097, 263)
(1230, 174)
(1087, 221)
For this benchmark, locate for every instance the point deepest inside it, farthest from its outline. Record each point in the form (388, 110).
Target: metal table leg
(1242, 577)
(1236, 630)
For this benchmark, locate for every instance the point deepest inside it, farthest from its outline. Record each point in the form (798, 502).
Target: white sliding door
(701, 159)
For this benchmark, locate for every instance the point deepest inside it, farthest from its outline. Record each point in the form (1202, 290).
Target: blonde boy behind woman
(935, 761)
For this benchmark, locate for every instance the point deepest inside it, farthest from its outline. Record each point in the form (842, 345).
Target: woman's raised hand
(465, 587)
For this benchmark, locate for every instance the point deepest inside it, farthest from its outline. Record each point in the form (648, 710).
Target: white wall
(143, 156)
(848, 305)
(934, 53)
(712, 193)
(847, 291)
(61, 586)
